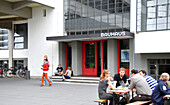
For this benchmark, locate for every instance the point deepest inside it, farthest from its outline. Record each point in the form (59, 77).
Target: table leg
(114, 99)
(127, 98)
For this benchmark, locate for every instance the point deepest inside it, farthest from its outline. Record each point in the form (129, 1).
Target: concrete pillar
(112, 56)
(62, 55)
(77, 58)
(143, 15)
(131, 54)
(10, 47)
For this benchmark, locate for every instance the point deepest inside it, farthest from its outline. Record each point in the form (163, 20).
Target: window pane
(19, 39)
(161, 61)
(152, 61)
(164, 69)
(151, 21)
(161, 26)
(162, 2)
(168, 61)
(161, 23)
(19, 45)
(151, 27)
(151, 12)
(151, 2)
(104, 55)
(90, 55)
(162, 10)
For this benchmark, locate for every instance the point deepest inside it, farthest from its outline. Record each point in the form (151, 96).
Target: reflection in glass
(90, 55)
(155, 12)
(105, 55)
(164, 69)
(152, 61)
(19, 45)
(96, 15)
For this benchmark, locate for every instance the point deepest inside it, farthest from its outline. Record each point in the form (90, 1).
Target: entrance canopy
(102, 36)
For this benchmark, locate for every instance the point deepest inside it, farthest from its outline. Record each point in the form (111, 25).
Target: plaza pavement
(19, 91)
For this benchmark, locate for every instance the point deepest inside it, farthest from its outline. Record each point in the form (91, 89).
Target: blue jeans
(66, 76)
(58, 73)
(46, 80)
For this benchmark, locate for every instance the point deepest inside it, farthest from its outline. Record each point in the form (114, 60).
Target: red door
(90, 58)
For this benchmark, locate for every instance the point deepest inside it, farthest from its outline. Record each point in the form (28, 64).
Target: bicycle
(21, 73)
(11, 72)
(3, 72)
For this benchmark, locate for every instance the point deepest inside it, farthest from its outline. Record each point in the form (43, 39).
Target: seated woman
(160, 90)
(103, 85)
(67, 75)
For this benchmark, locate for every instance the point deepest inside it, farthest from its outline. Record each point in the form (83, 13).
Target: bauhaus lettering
(113, 34)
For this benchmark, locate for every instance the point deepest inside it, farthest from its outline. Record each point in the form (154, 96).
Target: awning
(102, 36)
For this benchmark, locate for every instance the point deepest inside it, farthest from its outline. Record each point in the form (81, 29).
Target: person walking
(161, 90)
(104, 84)
(45, 73)
(46, 58)
(151, 81)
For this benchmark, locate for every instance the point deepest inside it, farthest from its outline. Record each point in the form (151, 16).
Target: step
(90, 80)
(77, 81)
(78, 78)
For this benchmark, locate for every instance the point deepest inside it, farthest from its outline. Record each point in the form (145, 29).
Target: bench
(140, 103)
(101, 101)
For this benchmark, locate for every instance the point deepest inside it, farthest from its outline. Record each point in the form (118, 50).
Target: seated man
(151, 81)
(140, 86)
(121, 76)
(59, 70)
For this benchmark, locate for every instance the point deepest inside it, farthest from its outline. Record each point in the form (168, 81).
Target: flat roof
(101, 36)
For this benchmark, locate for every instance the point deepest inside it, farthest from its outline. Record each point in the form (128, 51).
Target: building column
(131, 54)
(62, 55)
(10, 47)
(112, 56)
(77, 58)
(143, 15)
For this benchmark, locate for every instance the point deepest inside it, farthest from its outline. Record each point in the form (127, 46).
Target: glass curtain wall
(96, 16)
(153, 15)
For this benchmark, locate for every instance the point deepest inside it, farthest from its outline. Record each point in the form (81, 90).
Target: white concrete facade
(39, 27)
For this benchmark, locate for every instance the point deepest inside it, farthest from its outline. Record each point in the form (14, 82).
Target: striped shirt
(151, 82)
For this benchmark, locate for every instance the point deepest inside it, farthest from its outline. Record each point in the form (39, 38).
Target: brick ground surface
(18, 91)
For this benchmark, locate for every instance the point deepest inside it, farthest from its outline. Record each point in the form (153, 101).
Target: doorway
(94, 57)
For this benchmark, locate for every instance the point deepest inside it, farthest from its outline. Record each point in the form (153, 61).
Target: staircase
(76, 79)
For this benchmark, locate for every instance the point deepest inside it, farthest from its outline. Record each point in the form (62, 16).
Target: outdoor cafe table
(118, 91)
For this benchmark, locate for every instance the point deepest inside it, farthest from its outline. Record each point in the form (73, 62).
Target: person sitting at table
(139, 85)
(151, 81)
(161, 90)
(104, 84)
(121, 76)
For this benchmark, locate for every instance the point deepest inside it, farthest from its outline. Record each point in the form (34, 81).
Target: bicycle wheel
(21, 74)
(9, 74)
(3, 75)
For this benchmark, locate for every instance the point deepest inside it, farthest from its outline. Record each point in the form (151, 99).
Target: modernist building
(88, 35)
(97, 36)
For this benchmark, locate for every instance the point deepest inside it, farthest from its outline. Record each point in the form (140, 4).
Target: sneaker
(41, 85)
(50, 84)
